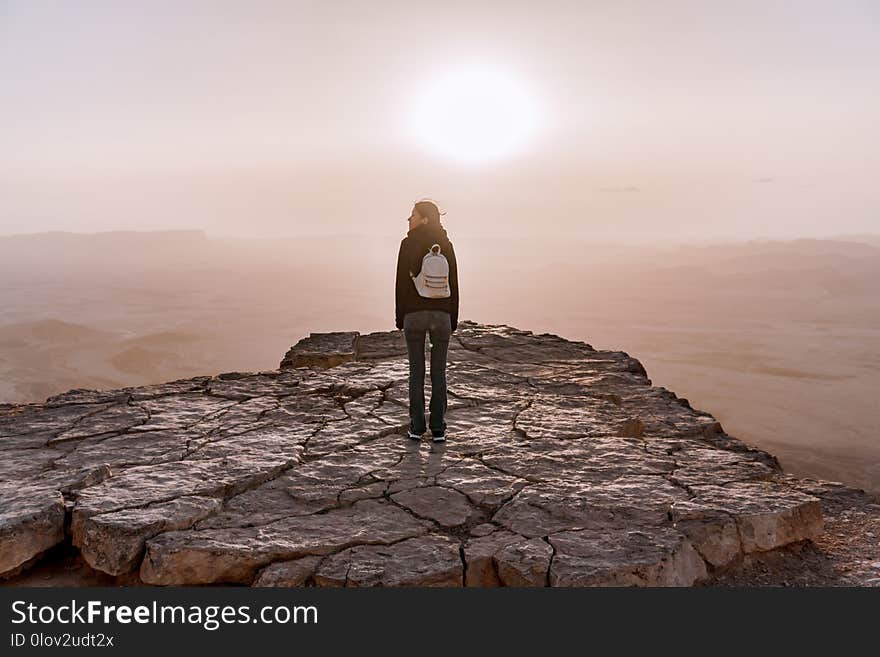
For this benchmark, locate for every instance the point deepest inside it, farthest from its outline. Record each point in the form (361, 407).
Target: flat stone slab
(564, 467)
(287, 574)
(322, 350)
(422, 561)
(445, 506)
(234, 555)
(653, 556)
(741, 517)
(31, 521)
(114, 542)
(503, 558)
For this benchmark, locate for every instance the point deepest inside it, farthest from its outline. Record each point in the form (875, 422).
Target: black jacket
(413, 248)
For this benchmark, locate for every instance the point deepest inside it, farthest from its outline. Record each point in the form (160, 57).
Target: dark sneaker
(439, 438)
(414, 436)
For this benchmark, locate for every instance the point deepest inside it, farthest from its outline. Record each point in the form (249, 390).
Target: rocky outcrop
(564, 467)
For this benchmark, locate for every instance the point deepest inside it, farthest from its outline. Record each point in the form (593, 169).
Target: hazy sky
(631, 121)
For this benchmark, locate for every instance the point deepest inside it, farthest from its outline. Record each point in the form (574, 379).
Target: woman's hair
(429, 210)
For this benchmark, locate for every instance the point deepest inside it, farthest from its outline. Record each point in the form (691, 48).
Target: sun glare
(474, 116)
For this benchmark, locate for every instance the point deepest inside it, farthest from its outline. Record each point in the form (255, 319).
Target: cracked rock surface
(564, 467)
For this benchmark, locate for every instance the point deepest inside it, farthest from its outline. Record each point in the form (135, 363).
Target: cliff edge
(564, 467)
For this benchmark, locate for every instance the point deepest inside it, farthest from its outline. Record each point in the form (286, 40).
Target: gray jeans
(438, 324)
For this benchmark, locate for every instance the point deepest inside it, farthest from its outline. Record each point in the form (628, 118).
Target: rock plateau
(564, 467)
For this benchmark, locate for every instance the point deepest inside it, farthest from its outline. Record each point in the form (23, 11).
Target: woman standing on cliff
(418, 314)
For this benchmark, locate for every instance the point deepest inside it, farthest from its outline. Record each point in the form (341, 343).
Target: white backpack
(433, 281)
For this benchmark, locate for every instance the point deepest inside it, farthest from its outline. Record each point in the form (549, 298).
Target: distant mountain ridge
(115, 236)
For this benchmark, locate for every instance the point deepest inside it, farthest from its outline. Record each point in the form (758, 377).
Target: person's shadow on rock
(417, 463)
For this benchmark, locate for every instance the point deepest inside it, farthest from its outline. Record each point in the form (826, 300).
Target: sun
(474, 116)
